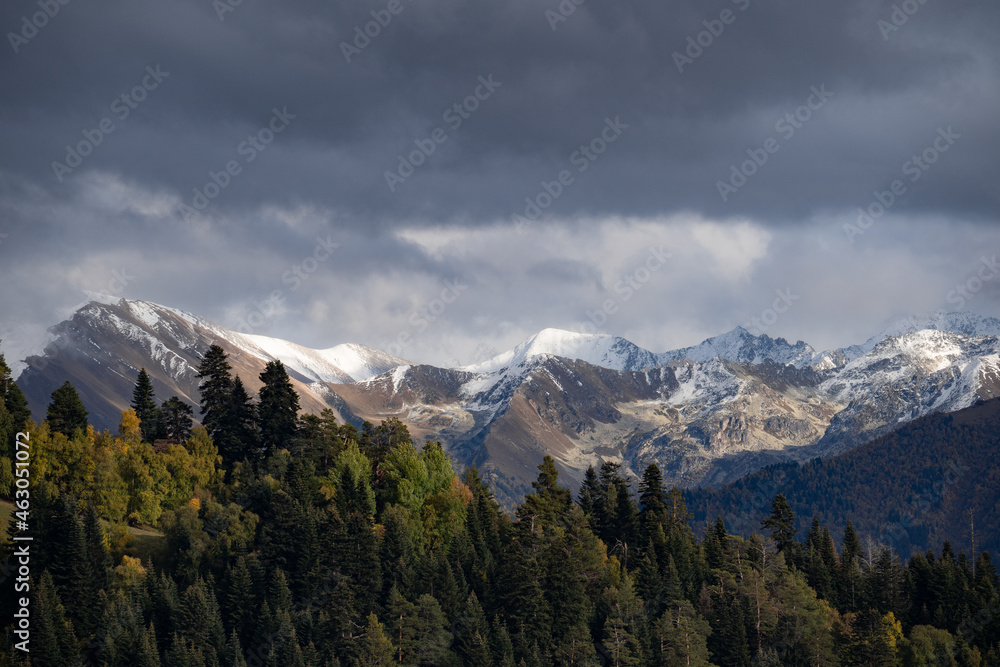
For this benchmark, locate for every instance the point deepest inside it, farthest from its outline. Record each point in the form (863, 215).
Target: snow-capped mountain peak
(742, 346)
(968, 324)
(602, 350)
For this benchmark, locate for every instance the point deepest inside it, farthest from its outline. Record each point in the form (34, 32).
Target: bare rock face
(707, 414)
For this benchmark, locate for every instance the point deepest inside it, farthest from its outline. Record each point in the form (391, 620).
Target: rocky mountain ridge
(707, 414)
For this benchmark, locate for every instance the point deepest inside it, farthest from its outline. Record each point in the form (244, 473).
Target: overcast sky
(712, 155)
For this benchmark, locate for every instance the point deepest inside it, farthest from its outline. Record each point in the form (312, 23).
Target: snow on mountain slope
(910, 375)
(742, 346)
(968, 324)
(359, 361)
(348, 362)
(602, 350)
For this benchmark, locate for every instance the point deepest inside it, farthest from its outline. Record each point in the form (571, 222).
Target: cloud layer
(207, 159)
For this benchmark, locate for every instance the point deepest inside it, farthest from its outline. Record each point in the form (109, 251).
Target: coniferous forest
(262, 537)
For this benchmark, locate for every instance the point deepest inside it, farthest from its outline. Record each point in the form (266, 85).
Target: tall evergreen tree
(144, 404)
(70, 563)
(177, 420)
(17, 406)
(590, 491)
(244, 438)
(375, 648)
(652, 496)
(216, 387)
(278, 409)
(781, 523)
(54, 639)
(66, 412)
(14, 412)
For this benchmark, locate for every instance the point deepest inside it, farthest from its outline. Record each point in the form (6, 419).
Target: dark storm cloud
(541, 88)
(557, 87)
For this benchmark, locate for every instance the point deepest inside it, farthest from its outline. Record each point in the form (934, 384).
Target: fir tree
(177, 420)
(216, 388)
(70, 563)
(66, 413)
(144, 404)
(781, 524)
(679, 637)
(14, 412)
(590, 491)
(278, 409)
(652, 500)
(242, 439)
(54, 641)
(375, 649)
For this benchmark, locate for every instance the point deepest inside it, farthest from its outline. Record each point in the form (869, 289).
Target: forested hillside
(295, 543)
(934, 479)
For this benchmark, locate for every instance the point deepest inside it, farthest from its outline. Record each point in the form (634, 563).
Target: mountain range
(706, 414)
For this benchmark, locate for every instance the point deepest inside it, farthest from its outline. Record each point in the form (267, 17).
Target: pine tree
(652, 501)
(623, 632)
(503, 647)
(233, 655)
(242, 439)
(550, 501)
(278, 409)
(97, 550)
(241, 601)
(849, 592)
(70, 564)
(66, 412)
(716, 545)
(199, 619)
(147, 654)
(375, 649)
(430, 634)
(144, 404)
(54, 639)
(781, 523)
(14, 412)
(177, 420)
(590, 491)
(216, 388)
(472, 636)
(577, 648)
(679, 637)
